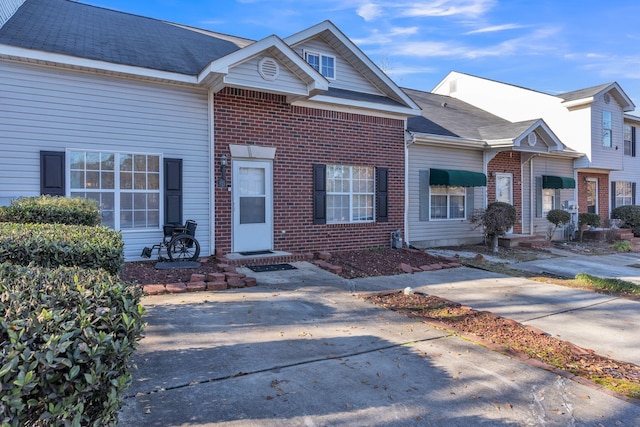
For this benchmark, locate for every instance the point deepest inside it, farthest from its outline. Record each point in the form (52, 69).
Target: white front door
(504, 189)
(252, 205)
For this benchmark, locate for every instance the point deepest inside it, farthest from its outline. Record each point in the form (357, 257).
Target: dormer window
(324, 64)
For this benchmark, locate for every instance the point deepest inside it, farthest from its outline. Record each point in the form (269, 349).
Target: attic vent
(532, 139)
(607, 98)
(268, 69)
(453, 86)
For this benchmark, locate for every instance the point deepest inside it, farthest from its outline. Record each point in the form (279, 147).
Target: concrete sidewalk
(301, 350)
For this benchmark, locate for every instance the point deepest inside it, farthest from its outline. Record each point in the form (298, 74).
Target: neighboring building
(624, 188)
(589, 121)
(461, 157)
(139, 114)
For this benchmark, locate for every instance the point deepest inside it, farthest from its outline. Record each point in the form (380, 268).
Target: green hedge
(53, 245)
(66, 339)
(52, 210)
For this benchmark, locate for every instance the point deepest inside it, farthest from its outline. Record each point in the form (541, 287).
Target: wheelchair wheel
(183, 248)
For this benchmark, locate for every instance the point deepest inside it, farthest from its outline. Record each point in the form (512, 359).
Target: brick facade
(302, 137)
(603, 192)
(507, 162)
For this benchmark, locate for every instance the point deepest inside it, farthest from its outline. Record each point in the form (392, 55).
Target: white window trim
(552, 193)
(117, 190)
(463, 193)
(629, 184)
(610, 129)
(351, 194)
(597, 195)
(320, 61)
(627, 142)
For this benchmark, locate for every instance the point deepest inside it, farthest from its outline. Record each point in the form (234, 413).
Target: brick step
(535, 244)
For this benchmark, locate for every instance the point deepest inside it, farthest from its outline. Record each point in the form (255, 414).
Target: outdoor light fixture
(222, 181)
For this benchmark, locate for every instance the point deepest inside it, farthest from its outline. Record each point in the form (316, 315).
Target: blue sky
(552, 46)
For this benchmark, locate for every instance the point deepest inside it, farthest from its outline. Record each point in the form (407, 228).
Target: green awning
(550, 181)
(457, 178)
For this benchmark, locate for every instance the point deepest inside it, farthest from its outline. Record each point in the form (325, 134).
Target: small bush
(67, 336)
(591, 219)
(52, 210)
(622, 246)
(496, 220)
(630, 216)
(53, 245)
(557, 217)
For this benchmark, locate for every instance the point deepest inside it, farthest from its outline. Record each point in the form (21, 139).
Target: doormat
(251, 253)
(270, 267)
(170, 265)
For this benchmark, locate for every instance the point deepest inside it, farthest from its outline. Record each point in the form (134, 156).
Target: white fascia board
(578, 102)
(501, 143)
(404, 111)
(315, 81)
(330, 26)
(632, 118)
(23, 54)
(450, 141)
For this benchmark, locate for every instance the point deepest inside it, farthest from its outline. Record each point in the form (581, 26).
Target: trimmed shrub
(591, 219)
(557, 217)
(53, 245)
(67, 336)
(52, 210)
(496, 220)
(630, 216)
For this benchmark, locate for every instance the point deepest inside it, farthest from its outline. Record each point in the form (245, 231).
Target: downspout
(212, 184)
(409, 140)
(532, 192)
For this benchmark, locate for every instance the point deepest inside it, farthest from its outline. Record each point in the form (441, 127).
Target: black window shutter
(633, 141)
(613, 195)
(423, 194)
(52, 173)
(538, 197)
(319, 194)
(382, 202)
(173, 191)
(633, 193)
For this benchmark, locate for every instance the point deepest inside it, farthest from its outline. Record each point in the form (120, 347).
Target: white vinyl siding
(42, 108)
(602, 156)
(8, 8)
(433, 232)
(347, 77)
(247, 75)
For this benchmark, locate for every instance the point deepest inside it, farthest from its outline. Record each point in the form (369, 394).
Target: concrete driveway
(300, 350)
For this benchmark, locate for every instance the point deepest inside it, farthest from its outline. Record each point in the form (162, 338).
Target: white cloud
(494, 28)
(369, 11)
(473, 8)
(379, 38)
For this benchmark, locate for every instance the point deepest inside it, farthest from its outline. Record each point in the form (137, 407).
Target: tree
(496, 220)
(557, 217)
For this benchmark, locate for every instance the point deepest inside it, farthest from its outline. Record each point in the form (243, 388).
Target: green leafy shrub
(622, 246)
(53, 245)
(630, 216)
(590, 219)
(66, 339)
(52, 210)
(496, 220)
(557, 217)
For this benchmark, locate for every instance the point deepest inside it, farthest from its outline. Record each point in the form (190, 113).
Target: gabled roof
(588, 95)
(351, 53)
(444, 116)
(83, 31)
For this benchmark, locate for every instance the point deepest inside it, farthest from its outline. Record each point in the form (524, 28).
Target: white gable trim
(540, 124)
(404, 111)
(622, 98)
(213, 75)
(372, 72)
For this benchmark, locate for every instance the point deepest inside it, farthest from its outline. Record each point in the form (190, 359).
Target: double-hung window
(607, 129)
(324, 64)
(624, 193)
(350, 194)
(447, 202)
(548, 200)
(126, 186)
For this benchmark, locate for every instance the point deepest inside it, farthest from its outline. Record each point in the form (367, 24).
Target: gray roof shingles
(76, 29)
(583, 93)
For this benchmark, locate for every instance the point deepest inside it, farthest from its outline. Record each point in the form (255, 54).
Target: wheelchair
(179, 243)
